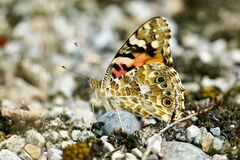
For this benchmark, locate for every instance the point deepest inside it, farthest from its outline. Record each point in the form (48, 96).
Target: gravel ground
(46, 110)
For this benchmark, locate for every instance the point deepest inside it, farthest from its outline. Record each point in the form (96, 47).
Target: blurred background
(38, 37)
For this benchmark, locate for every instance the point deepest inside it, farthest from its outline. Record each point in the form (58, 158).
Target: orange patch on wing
(144, 58)
(120, 72)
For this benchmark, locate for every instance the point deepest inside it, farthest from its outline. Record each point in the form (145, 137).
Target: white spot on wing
(155, 44)
(144, 89)
(134, 41)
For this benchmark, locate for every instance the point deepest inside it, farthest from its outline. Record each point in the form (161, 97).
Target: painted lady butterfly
(140, 78)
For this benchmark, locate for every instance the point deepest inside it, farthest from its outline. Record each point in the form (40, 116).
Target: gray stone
(111, 121)
(8, 155)
(75, 134)
(35, 138)
(154, 144)
(54, 154)
(14, 143)
(24, 155)
(206, 142)
(192, 132)
(64, 134)
(216, 131)
(182, 151)
(64, 85)
(33, 151)
(131, 156)
(137, 152)
(198, 140)
(219, 157)
(217, 144)
(67, 143)
(118, 155)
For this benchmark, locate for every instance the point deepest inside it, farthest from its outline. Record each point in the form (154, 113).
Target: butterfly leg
(92, 108)
(120, 120)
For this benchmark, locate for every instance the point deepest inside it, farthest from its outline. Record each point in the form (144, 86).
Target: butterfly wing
(149, 44)
(151, 90)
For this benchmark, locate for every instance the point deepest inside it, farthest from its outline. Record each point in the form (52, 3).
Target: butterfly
(141, 78)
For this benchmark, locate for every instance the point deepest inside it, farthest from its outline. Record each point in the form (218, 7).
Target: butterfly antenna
(78, 74)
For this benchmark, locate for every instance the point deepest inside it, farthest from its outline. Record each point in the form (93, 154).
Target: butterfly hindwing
(151, 90)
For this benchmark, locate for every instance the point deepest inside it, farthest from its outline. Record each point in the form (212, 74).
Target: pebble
(35, 138)
(67, 143)
(206, 142)
(15, 143)
(111, 121)
(219, 157)
(148, 121)
(217, 144)
(33, 151)
(137, 152)
(198, 140)
(216, 131)
(64, 85)
(154, 144)
(54, 154)
(182, 151)
(30, 71)
(8, 155)
(192, 132)
(75, 134)
(64, 134)
(24, 155)
(107, 145)
(118, 155)
(130, 156)
(52, 136)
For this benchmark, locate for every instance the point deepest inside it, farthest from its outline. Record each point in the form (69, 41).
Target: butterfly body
(141, 78)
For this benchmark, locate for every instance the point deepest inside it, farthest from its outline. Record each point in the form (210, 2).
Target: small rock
(152, 157)
(24, 155)
(14, 143)
(219, 157)
(148, 121)
(35, 138)
(52, 136)
(118, 155)
(181, 137)
(49, 145)
(8, 155)
(197, 140)
(64, 85)
(111, 121)
(192, 132)
(30, 72)
(64, 134)
(216, 131)
(182, 151)
(137, 152)
(217, 144)
(54, 154)
(75, 134)
(206, 142)
(154, 144)
(130, 156)
(33, 151)
(81, 135)
(67, 143)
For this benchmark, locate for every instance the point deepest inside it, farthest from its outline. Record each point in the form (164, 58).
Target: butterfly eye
(166, 102)
(159, 80)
